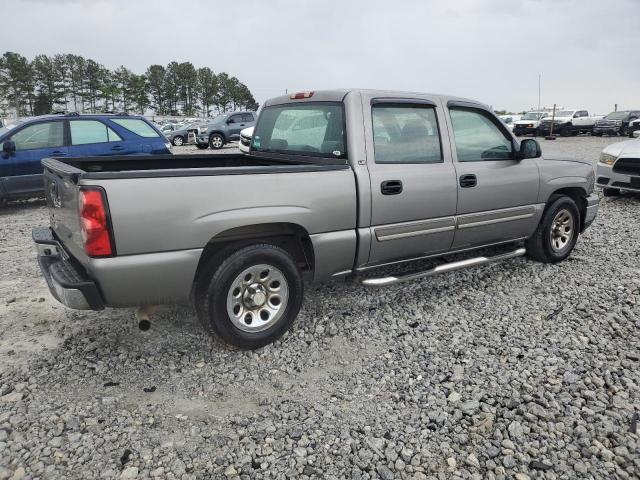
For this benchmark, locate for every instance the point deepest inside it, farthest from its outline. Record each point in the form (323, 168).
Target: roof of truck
(338, 95)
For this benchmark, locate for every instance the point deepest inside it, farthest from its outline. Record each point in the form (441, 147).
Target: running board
(444, 268)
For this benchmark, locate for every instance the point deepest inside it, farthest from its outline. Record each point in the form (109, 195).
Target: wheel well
(579, 196)
(289, 236)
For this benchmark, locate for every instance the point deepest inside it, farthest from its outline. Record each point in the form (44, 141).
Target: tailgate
(61, 192)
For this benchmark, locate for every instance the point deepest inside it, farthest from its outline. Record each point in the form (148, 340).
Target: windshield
(314, 129)
(564, 113)
(219, 119)
(532, 116)
(617, 115)
(8, 127)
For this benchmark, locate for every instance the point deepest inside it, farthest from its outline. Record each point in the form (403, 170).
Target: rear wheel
(557, 232)
(216, 141)
(611, 192)
(596, 134)
(251, 297)
(178, 141)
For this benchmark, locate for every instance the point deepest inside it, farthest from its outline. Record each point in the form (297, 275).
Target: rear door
(497, 194)
(91, 138)
(23, 170)
(413, 182)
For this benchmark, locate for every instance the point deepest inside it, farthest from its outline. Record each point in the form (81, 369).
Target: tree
(156, 78)
(16, 83)
(72, 82)
(48, 92)
(207, 88)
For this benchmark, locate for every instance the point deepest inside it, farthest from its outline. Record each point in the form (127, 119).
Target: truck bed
(143, 166)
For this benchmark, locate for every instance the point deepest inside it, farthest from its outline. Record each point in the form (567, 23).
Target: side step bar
(444, 268)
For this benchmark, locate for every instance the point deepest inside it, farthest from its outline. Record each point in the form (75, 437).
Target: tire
(565, 131)
(263, 308)
(611, 192)
(596, 134)
(202, 146)
(548, 247)
(178, 141)
(216, 141)
(624, 131)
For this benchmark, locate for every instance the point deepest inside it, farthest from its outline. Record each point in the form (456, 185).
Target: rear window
(313, 129)
(137, 126)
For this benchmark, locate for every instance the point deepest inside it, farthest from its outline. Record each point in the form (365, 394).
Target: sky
(493, 51)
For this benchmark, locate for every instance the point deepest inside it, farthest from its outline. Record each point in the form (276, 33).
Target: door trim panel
(491, 217)
(415, 229)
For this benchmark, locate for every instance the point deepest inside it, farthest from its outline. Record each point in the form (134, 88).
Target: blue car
(24, 143)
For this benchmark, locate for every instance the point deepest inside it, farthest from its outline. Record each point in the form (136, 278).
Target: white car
(509, 120)
(245, 139)
(619, 168)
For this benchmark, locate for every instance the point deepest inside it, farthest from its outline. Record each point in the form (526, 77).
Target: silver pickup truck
(337, 182)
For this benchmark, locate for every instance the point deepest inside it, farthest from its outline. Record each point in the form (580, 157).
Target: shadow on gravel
(17, 206)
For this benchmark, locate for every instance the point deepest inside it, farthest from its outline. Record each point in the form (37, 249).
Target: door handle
(468, 181)
(117, 147)
(391, 187)
(58, 153)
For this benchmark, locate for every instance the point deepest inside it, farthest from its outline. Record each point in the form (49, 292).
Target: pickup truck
(529, 123)
(568, 123)
(337, 183)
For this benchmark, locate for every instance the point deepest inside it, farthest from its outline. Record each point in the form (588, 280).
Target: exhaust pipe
(143, 314)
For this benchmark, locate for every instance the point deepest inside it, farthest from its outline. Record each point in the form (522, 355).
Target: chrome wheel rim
(177, 141)
(562, 230)
(216, 142)
(257, 298)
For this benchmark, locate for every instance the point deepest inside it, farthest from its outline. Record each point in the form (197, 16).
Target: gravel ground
(517, 370)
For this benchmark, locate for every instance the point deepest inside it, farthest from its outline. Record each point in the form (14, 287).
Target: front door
(23, 169)
(235, 124)
(413, 182)
(497, 194)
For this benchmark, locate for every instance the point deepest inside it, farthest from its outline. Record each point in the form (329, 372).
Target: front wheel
(178, 141)
(216, 141)
(624, 131)
(557, 232)
(251, 297)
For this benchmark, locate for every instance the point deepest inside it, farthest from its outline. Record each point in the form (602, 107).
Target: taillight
(94, 222)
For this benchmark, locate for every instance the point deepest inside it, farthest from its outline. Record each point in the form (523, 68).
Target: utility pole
(539, 89)
(615, 107)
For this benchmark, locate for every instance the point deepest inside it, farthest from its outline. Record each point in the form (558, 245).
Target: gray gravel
(518, 370)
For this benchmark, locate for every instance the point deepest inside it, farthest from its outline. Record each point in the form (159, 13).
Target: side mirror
(8, 148)
(529, 148)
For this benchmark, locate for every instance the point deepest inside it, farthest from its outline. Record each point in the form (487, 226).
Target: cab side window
(247, 117)
(478, 138)
(40, 135)
(405, 134)
(84, 132)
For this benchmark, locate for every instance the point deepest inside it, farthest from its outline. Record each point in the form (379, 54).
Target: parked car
(529, 123)
(180, 136)
(634, 129)
(245, 139)
(24, 143)
(619, 168)
(568, 122)
(369, 179)
(224, 128)
(616, 123)
(509, 120)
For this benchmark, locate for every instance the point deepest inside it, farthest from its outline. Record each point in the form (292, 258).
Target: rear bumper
(67, 283)
(592, 210)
